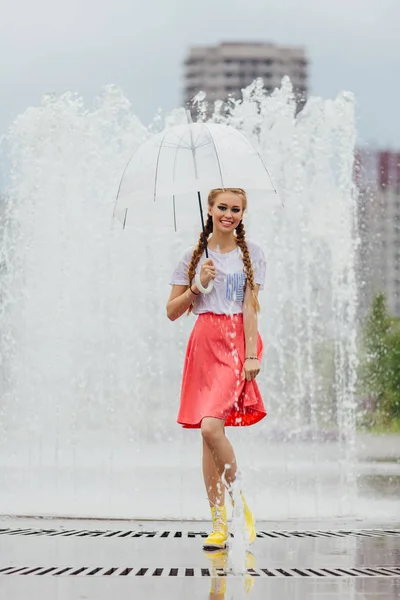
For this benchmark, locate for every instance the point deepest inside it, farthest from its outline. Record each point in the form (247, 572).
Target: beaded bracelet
(251, 358)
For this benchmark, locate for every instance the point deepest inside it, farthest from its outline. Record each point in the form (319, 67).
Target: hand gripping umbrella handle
(203, 290)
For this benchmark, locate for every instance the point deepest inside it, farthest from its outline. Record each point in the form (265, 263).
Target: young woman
(224, 350)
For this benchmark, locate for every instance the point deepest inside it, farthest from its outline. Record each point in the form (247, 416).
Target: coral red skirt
(212, 383)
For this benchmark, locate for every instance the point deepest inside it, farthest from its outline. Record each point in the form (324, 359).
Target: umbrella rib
(217, 157)
(158, 160)
(173, 178)
(195, 144)
(122, 177)
(177, 145)
(265, 167)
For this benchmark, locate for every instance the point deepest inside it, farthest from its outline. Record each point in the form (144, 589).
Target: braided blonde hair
(240, 239)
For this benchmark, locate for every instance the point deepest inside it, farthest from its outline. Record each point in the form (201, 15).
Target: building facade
(378, 181)
(222, 71)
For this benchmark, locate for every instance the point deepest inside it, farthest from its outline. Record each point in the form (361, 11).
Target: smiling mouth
(227, 222)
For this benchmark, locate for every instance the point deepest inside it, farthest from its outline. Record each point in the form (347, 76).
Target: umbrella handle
(200, 286)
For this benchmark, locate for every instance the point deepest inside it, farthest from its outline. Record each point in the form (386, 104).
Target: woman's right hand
(207, 272)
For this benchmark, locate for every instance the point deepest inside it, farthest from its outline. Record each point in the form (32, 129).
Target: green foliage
(380, 363)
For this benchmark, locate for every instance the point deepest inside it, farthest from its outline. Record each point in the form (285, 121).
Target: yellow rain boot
(249, 523)
(219, 536)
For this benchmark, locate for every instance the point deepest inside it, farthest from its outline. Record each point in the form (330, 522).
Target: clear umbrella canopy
(187, 161)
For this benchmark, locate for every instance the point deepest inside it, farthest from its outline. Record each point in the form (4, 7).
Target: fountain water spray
(90, 364)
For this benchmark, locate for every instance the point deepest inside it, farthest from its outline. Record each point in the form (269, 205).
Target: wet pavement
(62, 559)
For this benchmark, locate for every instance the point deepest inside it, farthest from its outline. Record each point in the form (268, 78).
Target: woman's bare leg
(212, 480)
(220, 450)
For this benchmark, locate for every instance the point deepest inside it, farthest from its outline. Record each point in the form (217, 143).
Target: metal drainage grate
(199, 572)
(108, 533)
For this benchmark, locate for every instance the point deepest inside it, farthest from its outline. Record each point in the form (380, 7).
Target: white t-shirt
(227, 296)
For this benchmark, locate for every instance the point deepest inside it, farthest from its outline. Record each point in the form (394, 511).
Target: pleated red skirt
(212, 383)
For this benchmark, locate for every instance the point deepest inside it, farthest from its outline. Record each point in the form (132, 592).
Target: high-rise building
(378, 181)
(222, 71)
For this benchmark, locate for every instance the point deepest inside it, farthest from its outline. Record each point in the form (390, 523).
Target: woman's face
(227, 211)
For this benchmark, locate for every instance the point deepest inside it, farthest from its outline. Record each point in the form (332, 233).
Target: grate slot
(392, 571)
(62, 571)
(332, 572)
(302, 573)
(173, 573)
(142, 572)
(253, 573)
(94, 571)
(315, 572)
(363, 572)
(33, 570)
(112, 534)
(268, 572)
(78, 571)
(189, 572)
(348, 572)
(285, 573)
(374, 571)
(111, 571)
(266, 534)
(164, 534)
(46, 571)
(123, 535)
(14, 570)
(126, 571)
(205, 572)
(158, 572)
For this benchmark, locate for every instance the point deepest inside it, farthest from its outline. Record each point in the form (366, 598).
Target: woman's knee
(211, 430)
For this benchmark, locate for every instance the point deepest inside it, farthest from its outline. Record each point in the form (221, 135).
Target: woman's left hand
(251, 369)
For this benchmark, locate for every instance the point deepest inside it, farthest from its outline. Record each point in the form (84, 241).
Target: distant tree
(380, 360)
(390, 403)
(375, 334)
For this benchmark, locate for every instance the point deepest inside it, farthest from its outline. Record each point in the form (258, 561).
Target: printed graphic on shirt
(235, 286)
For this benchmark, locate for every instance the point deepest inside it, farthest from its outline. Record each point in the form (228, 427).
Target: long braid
(198, 252)
(248, 267)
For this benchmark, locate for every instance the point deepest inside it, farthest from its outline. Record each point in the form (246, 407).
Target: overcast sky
(81, 45)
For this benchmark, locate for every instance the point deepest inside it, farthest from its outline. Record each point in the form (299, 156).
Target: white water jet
(90, 364)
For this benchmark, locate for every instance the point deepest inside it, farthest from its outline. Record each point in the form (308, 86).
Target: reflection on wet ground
(100, 560)
(387, 486)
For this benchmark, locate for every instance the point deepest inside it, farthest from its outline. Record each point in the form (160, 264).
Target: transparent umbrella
(190, 159)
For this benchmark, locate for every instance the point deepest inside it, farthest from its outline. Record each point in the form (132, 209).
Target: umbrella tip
(189, 116)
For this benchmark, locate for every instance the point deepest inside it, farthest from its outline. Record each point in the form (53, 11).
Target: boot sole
(211, 547)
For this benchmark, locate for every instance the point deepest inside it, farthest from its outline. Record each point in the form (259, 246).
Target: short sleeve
(259, 265)
(180, 274)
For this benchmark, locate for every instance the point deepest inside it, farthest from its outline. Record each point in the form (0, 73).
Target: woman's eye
(221, 207)
(235, 210)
